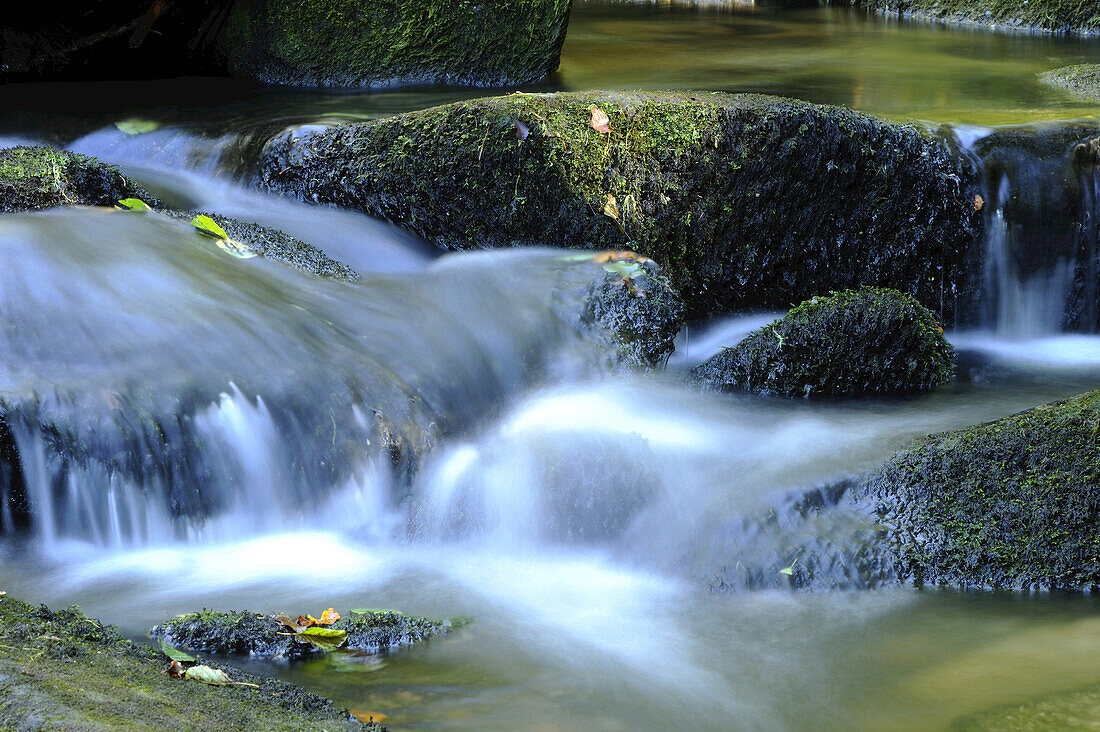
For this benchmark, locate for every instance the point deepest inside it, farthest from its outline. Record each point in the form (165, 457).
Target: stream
(614, 540)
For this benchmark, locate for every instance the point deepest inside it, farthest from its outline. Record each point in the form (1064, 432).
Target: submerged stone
(1081, 80)
(242, 632)
(1077, 710)
(381, 42)
(1011, 504)
(852, 343)
(63, 670)
(746, 201)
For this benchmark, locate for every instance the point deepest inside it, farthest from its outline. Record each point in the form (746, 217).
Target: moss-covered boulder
(33, 178)
(64, 671)
(382, 42)
(1082, 80)
(1059, 16)
(1008, 504)
(242, 632)
(746, 201)
(852, 343)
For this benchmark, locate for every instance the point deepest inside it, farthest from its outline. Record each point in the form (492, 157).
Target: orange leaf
(599, 121)
(328, 617)
(368, 717)
(175, 670)
(978, 203)
(305, 622)
(613, 256)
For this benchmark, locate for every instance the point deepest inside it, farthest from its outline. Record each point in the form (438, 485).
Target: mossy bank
(1058, 16)
(1009, 504)
(745, 201)
(64, 671)
(383, 42)
(852, 343)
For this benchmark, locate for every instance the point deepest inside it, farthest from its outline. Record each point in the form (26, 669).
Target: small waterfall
(1041, 237)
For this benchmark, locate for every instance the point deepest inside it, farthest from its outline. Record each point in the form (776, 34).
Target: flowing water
(441, 437)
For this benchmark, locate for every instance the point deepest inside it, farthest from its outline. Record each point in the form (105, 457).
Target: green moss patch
(1082, 80)
(64, 671)
(1009, 504)
(380, 42)
(1061, 16)
(40, 177)
(852, 343)
(1079, 710)
(746, 201)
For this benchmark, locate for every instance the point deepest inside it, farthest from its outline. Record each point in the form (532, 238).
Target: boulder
(746, 201)
(40, 177)
(1011, 504)
(1081, 80)
(1057, 16)
(851, 343)
(384, 42)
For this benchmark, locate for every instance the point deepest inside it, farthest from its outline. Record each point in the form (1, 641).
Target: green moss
(1082, 80)
(375, 42)
(1012, 503)
(1079, 710)
(745, 201)
(853, 343)
(65, 671)
(41, 177)
(1075, 16)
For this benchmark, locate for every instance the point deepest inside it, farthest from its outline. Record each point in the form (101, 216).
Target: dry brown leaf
(175, 670)
(599, 121)
(978, 203)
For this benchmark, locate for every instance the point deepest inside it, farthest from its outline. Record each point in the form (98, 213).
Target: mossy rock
(1059, 16)
(64, 671)
(383, 42)
(1078, 710)
(746, 201)
(852, 343)
(1082, 80)
(34, 178)
(242, 632)
(1011, 504)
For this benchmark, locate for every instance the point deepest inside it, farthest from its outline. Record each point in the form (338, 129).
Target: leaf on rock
(328, 617)
(979, 202)
(624, 270)
(174, 654)
(133, 204)
(316, 631)
(207, 675)
(599, 121)
(209, 226)
(137, 126)
(235, 249)
(175, 670)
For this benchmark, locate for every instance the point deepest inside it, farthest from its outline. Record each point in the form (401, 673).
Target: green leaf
(133, 204)
(624, 270)
(787, 571)
(209, 226)
(174, 654)
(317, 631)
(208, 675)
(235, 249)
(137, 126)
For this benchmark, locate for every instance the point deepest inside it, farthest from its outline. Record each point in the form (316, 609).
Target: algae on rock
(1082, 80)
(40, 177)
(1059, 16)
(1008, 504)
(852, 343)
(381, 42)
(746, 201)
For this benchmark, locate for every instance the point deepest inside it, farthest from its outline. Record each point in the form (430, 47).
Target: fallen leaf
(521, 130)
(137, 126)
(978, 203)
(304, 622)
(174, 654)
(175, 670)
(209, 226)
(617, 256)
(236, 248)
(611, 208)
(3, 593)
(317, 631)
(368, 717)
(207, 675)
(133, 204)
(624, 269)
(599, 121)
(288, 623)
(328, 617)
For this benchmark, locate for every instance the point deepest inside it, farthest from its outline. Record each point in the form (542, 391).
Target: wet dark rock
(382, 42)
(1008, 504)
(1081, 80)
(852, 343)
(746, 201)
(242, 632)
(1058, 16)
(63, 670)
(639, 316)
(33, 178)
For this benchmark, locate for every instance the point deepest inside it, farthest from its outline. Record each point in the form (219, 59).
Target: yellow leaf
(599, 121)
(611, 208)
